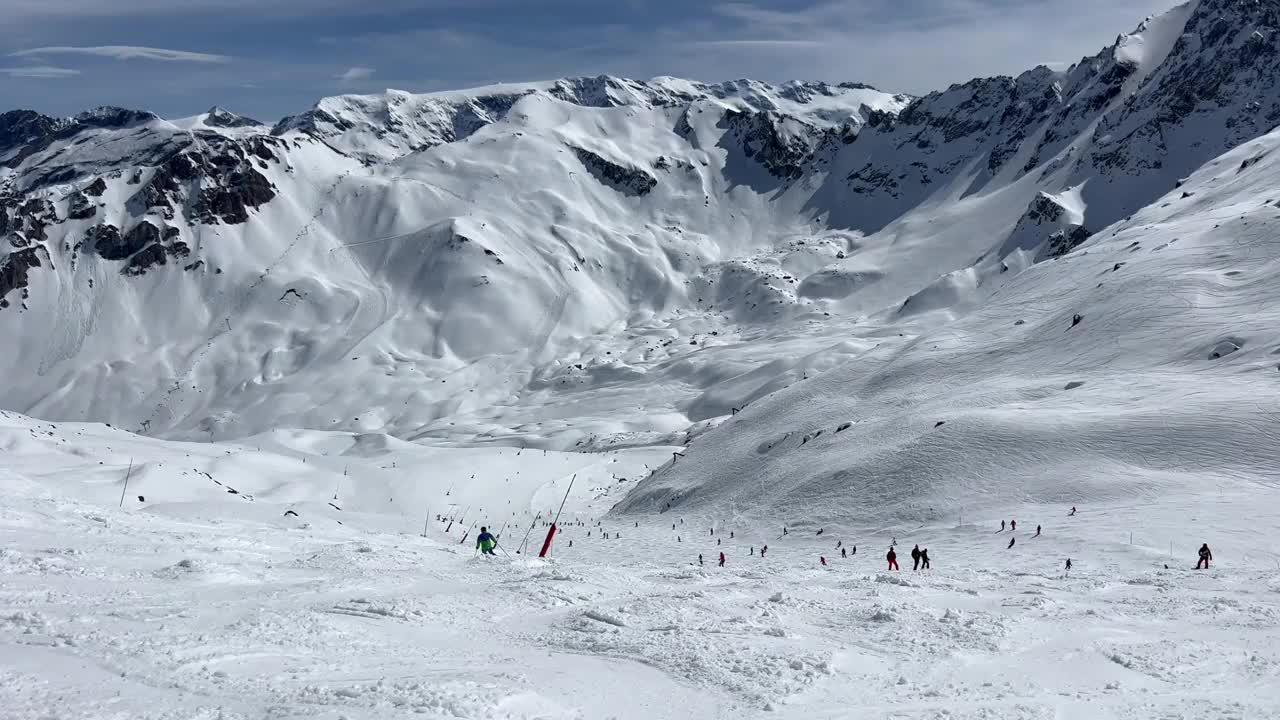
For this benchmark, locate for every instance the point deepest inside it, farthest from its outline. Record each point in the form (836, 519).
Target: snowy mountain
(577, 263)
(265, 383)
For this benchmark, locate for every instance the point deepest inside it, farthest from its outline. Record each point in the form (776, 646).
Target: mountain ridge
(550, 242)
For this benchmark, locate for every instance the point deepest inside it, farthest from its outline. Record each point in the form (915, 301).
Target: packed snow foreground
(266, 385)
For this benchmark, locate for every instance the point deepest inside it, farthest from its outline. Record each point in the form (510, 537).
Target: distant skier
(924, 559)
(1012, 540)
(1073, 511)
(823, 559)
(892, 557)
(915, 558)
(1205, 556)
(855, 549)
(730, 534)
(753, 551)
(1013, 526)
(764, 550)
(1037, 532)
(1068, 565)
(1001, 526)
(721, 559)
(717, 541)
(844, 552)
(699, 558)
(784, 529)
(485, 542)
(819, 531)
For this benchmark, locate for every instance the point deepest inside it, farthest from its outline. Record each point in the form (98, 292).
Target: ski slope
(192, 602)
(245, 453)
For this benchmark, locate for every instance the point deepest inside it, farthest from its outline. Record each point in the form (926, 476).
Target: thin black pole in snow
(125, 489)
(565, 500)
(532, 525)
(426, 521)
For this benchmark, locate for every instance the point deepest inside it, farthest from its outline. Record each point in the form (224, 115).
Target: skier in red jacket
(721, 559)
(892, 557)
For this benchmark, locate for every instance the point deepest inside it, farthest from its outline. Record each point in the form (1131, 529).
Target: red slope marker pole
(551, 533)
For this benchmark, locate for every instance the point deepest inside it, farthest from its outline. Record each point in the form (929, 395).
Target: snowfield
(194, 603)
(264, 384)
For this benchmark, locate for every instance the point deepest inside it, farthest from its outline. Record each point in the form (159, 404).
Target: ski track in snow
(186, 605)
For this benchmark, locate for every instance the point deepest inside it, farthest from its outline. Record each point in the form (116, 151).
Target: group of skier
(486, 543)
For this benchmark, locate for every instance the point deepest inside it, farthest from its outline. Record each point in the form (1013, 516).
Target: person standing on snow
(915, 558)
(1073, 511)
(924, 559)
(892, 557)
(823, 559)
(844, 552)
(485, 542)
(721, 559)
(1205, 556)
(764, 550)
(1037, 532)
(1001, 526)
(699, 558)
(1013, 526)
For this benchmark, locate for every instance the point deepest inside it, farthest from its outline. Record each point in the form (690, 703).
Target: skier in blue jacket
(485, 542)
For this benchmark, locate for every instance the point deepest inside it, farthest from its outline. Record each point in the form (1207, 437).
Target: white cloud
(355, 73)
(898, 45)
(126, 52)
(42, 72)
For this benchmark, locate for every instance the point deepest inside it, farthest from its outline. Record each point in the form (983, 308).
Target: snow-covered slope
(1141, 366)
(576, 263)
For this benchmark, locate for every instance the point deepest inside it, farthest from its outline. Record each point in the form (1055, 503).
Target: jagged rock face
(1221, 73)
(783, 146)
(626, 180)
(1064, 241)
(105, 240)
(79, 207)
(220, 172)
(219, 118)
(14, 270)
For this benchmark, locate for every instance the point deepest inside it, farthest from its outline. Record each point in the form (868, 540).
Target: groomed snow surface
(193, 602)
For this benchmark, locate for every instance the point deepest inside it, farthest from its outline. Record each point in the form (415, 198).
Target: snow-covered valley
(264, 383)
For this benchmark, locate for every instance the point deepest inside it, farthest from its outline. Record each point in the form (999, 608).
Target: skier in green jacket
(485, 542)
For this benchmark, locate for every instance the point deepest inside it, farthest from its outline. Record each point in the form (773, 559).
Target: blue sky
(269, 58)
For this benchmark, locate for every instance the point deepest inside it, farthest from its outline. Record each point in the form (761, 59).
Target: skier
(924, 559)
(1068, 565)
(753, 551)
(1037, 532)
(892, 557)
(819, 531)
(823, 559)
(764, 550)
(1073, 511)
(1001, 526)
(721, 559)
(1205, 556)
(485, 542)
(1012, 540)
(717, 541)
(730, 534)
(699, 558)
(1013, 525)
(915, 558)
(844, 552)
(855, 549)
